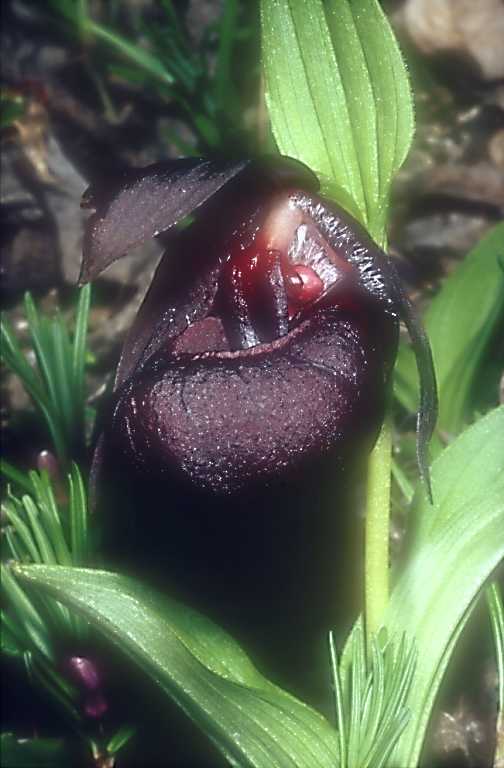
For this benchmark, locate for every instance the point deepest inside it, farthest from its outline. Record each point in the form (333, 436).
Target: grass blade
(23, 532)
(78, 518)
(29, 617)
(80, 340)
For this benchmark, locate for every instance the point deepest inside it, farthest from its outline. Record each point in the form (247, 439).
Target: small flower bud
(86, 672)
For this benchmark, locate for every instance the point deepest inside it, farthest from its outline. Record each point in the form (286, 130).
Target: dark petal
(428, 405)
(141, 203)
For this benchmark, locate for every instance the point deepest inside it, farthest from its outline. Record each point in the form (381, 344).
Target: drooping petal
(428, 401)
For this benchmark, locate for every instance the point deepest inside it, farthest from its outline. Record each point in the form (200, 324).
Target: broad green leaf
(406, 377)
(37, 753)
(250, 720)
(460, 321)
(450, 550)
(339, 98)
(496, 612)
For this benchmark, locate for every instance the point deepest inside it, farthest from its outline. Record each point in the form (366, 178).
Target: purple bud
(86, 672)
(48, 460)
(87, 677)
(96, 706)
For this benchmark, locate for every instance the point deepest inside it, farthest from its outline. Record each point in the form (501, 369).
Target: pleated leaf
(461, 322)
(339, 98)
(250, 720)
(450, 550)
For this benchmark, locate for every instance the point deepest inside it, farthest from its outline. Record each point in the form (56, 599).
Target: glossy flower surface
(268, 336)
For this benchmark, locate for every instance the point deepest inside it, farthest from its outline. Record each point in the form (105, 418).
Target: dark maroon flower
(269, 333)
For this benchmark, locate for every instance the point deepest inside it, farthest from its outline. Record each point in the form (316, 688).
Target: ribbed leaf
(450, 550)
(339, 98)
(251, 721)
(460, 322)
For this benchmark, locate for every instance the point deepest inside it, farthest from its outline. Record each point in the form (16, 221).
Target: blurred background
(92, 87)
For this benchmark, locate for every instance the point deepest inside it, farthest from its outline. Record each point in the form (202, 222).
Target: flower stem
(377, 526)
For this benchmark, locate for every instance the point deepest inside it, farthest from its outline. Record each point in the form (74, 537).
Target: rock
(462, 27)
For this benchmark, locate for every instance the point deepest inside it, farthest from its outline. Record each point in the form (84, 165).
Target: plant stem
(377, 526)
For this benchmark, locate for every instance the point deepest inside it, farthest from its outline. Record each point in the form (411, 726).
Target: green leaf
(250, 720)
(14, 474)
(13, 107)
(121, 738)
(370, 711)
(496, 611)
(57, 385)
(140, 56)
(50, 516)
(39, 332)
(460, 322)
(36, 753)
(22, 529)
(44, 542)
(226, 39)
(449, 552)
(78, 518)
(339, 98)
(30, 618)
(13, 357)
(13, 639)
(37, 534)
(406, 377)
(80, 336)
